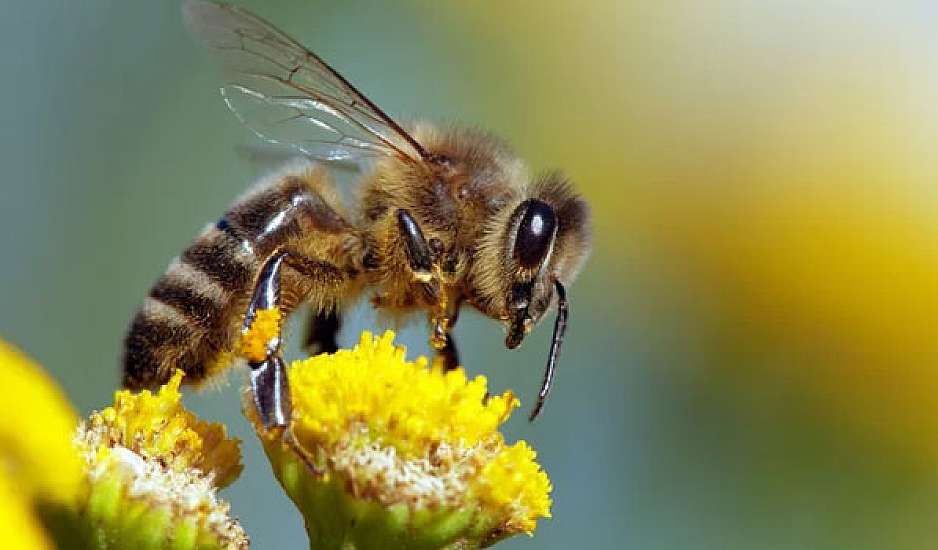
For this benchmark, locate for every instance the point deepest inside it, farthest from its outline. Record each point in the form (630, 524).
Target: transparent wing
(287, 94)
(265, 158)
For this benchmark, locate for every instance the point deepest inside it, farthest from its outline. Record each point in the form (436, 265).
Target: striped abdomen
(192, 315)
(188, 320)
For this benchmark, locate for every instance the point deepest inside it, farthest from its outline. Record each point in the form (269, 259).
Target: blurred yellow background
(752, 355)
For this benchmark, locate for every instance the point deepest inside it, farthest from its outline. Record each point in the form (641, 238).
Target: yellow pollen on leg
(266, 327)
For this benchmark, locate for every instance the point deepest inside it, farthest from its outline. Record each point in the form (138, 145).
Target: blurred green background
(752, 356)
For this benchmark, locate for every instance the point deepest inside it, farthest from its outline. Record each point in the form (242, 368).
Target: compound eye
(535, 232)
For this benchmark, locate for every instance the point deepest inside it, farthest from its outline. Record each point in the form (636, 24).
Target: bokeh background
(752, 357)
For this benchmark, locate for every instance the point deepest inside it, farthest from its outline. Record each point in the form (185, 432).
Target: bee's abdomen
(188, 319)
(192, 314)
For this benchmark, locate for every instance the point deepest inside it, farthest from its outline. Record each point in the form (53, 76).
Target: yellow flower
(155, 470)
(384, 453)
(37, 452)
(140, 474)
(159, 429)
(17, 516)
(513, 485)
(39, 469)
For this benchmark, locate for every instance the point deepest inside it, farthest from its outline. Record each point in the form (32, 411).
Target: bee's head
(535, 241)
(532, 236)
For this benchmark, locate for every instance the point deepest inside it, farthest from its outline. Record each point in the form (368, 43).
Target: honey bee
(445, 217)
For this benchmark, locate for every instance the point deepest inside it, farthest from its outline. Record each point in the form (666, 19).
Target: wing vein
(269, 68)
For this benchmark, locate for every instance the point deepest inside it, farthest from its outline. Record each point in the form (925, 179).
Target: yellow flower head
(158, 428)
(38, 465)
(404, 437)
(155, 470)
(37, 452)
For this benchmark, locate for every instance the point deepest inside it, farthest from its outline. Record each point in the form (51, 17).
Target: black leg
(441, 338)
(560, 328)
(418, 251)
(271, 391)
(321, 332)
(268, 373)
(449, 354)
(269, 383)
(266, 293)
(419, 255)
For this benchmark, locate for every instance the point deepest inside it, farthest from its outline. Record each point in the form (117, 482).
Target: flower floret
(157, 427)
(407, 405)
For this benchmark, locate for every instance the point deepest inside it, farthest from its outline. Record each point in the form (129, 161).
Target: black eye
(534, 232)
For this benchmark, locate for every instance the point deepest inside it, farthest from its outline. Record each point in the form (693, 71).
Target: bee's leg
(419, 255)
(269, 384)
(449, 354)
(442, 338)
(321, 332)
(271, 391)
(418, 251)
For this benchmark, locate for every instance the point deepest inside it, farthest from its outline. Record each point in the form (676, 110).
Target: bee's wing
(287, 94)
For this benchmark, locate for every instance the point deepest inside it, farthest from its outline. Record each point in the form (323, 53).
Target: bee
(445, 217)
